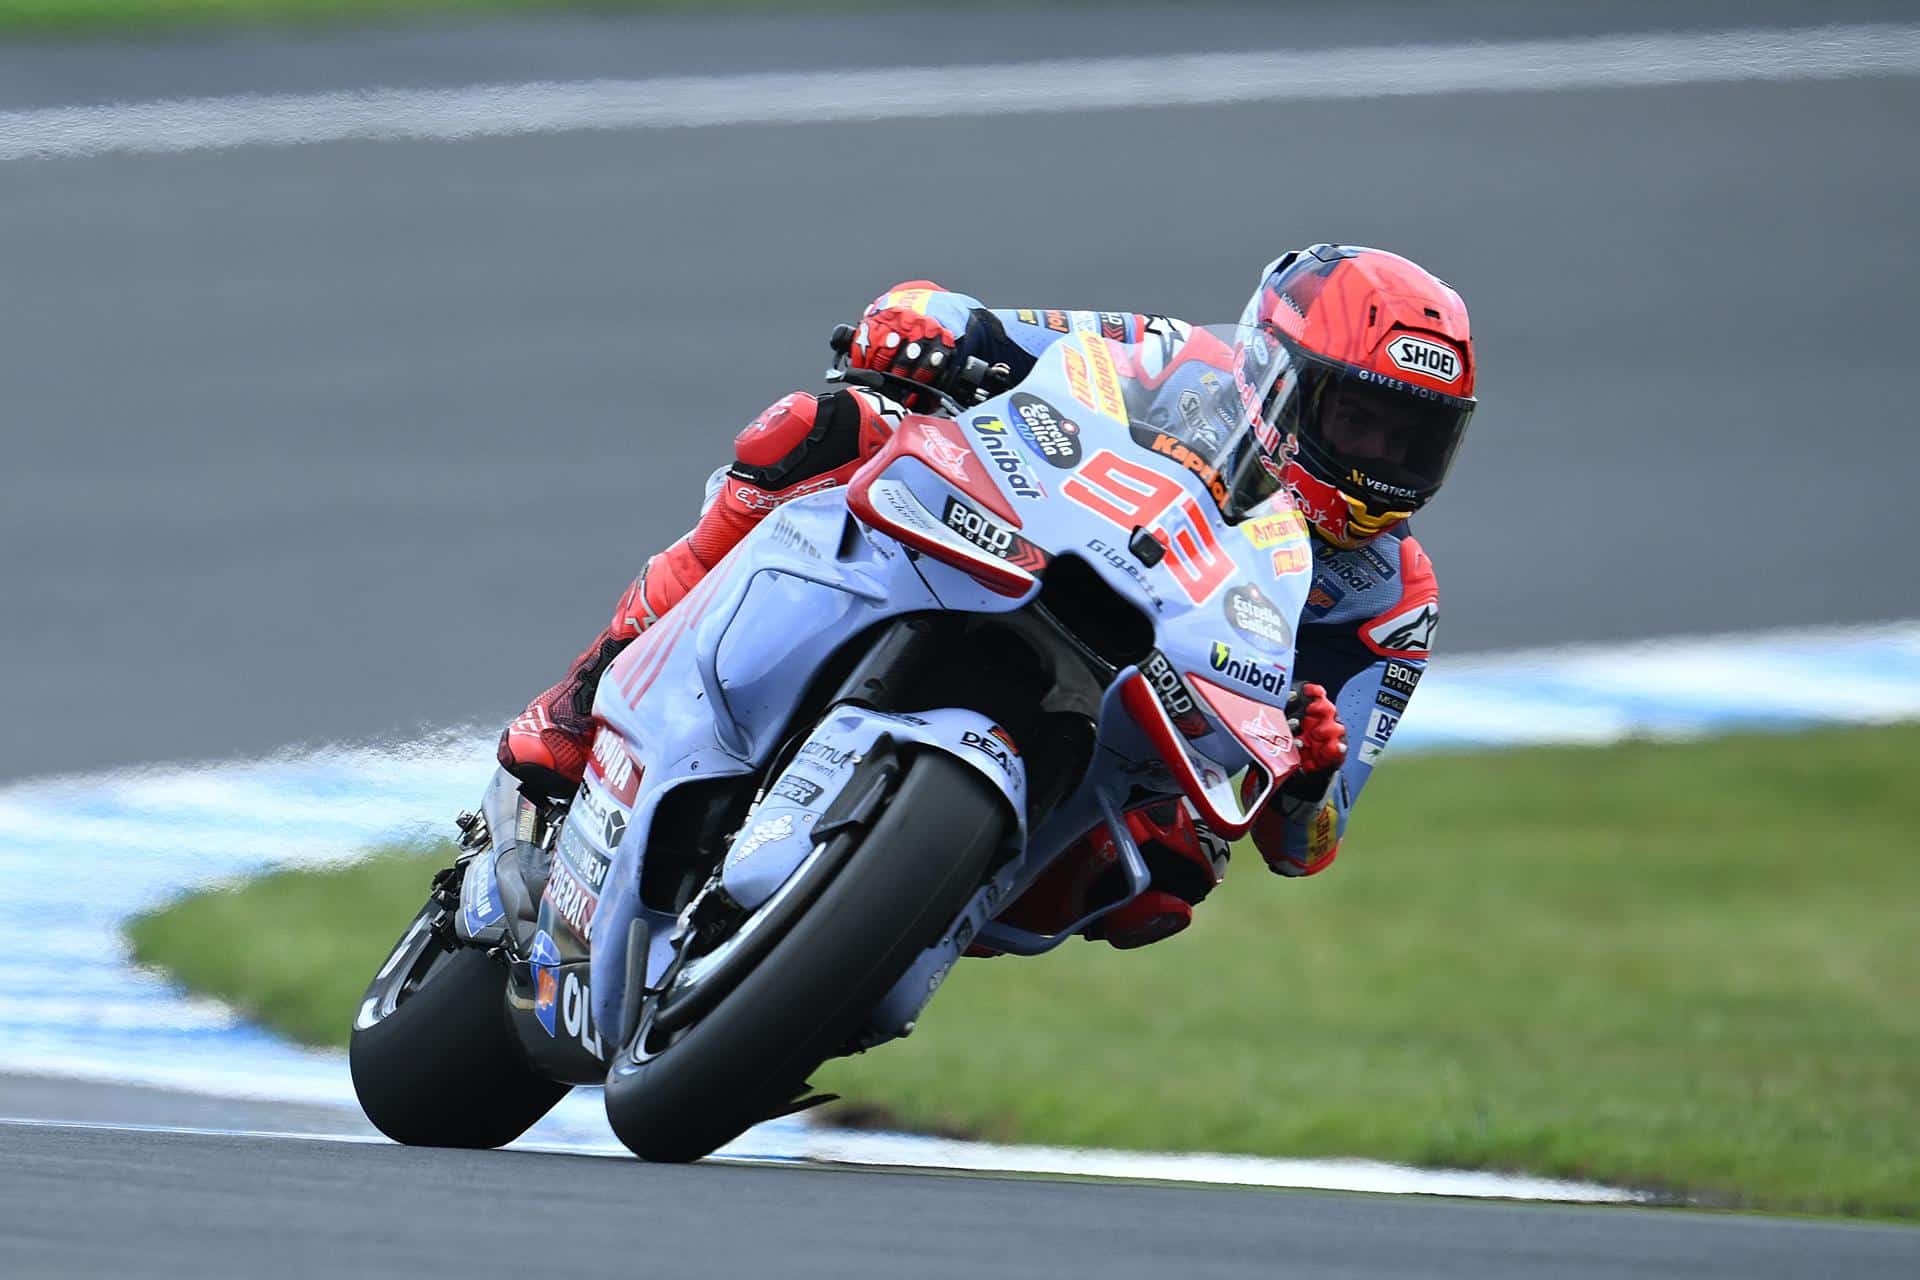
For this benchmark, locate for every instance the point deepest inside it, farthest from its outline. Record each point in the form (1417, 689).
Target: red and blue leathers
(1364, 637)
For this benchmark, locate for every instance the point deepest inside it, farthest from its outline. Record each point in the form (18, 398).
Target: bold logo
(1401, 676)
(1173, 695)
(1054, 439)
(1258, 620)
(615, 767)
(1260, 677)
(992, 434)
(1428, 359)
(993, 538)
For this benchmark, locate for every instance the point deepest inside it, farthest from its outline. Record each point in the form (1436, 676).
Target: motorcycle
(874, 739)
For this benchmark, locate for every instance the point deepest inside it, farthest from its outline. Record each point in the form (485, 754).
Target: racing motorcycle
(873, 740)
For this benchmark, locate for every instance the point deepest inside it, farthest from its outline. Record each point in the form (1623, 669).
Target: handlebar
(973, 378)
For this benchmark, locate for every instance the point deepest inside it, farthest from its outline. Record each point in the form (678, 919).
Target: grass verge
(1690, 966)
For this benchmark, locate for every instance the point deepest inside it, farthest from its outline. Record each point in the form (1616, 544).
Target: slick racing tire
(904, 882)
(435, 1061)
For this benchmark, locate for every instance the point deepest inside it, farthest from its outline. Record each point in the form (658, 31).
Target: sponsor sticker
(615, 767)
(1051, 435)
(996, 745)
(762, 833)
(1380, 725)
(1173, 695)
(1281, 528)
(1392, 701)
(1288, 560)
(543, 958)
(1106, 381)
(946, 454)
(1428, 359)
(1259, 675)
(572, 901)
(1079, 381)
(1181, 455)
(1401, 676)
(997, 443)
(1257, 620)
(798, 790)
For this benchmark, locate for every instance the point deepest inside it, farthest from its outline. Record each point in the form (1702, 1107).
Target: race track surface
(98, 1202)
(338, 441)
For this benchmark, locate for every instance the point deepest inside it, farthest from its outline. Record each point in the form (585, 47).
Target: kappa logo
(1428, 359)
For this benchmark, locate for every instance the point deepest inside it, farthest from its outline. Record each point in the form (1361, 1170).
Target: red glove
(1302, 796)
(1317, 730)
(895, 338)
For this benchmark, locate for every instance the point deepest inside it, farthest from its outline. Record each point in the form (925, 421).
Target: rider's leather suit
(1364, 635)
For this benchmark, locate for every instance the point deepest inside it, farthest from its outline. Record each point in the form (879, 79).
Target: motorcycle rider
(1374, 390)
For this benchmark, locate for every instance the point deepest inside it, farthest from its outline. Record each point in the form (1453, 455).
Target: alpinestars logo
(1409, 632)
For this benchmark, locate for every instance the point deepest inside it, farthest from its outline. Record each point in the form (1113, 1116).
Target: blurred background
(322, 442)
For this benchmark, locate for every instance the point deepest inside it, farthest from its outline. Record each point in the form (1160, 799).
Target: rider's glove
(901, 340)
(1301, 798)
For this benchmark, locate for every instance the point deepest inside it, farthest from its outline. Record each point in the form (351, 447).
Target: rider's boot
(1187, 861)
(800, 444)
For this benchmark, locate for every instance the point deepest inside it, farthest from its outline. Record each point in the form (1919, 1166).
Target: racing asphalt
(342, 441)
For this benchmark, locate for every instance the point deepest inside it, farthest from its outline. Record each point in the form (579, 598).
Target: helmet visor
(1391, 440)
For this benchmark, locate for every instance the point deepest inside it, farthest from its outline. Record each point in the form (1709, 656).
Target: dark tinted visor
(1400, 438)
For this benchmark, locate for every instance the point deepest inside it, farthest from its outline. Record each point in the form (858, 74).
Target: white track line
(904, 1151)
(820, 97)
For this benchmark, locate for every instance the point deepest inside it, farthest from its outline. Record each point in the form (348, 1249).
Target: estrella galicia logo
(1258, 620)
(1054, 438)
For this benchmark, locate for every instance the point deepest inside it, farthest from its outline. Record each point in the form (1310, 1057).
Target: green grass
(97, 17)
(1685, 966)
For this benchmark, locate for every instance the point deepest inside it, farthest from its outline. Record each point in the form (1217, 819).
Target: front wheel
(909, 876)
(434, 1059)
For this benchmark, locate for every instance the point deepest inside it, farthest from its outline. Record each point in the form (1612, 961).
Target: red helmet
(1363, 417)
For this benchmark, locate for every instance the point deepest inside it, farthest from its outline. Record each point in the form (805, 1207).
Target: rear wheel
(435, 1062)
(678, 1094)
